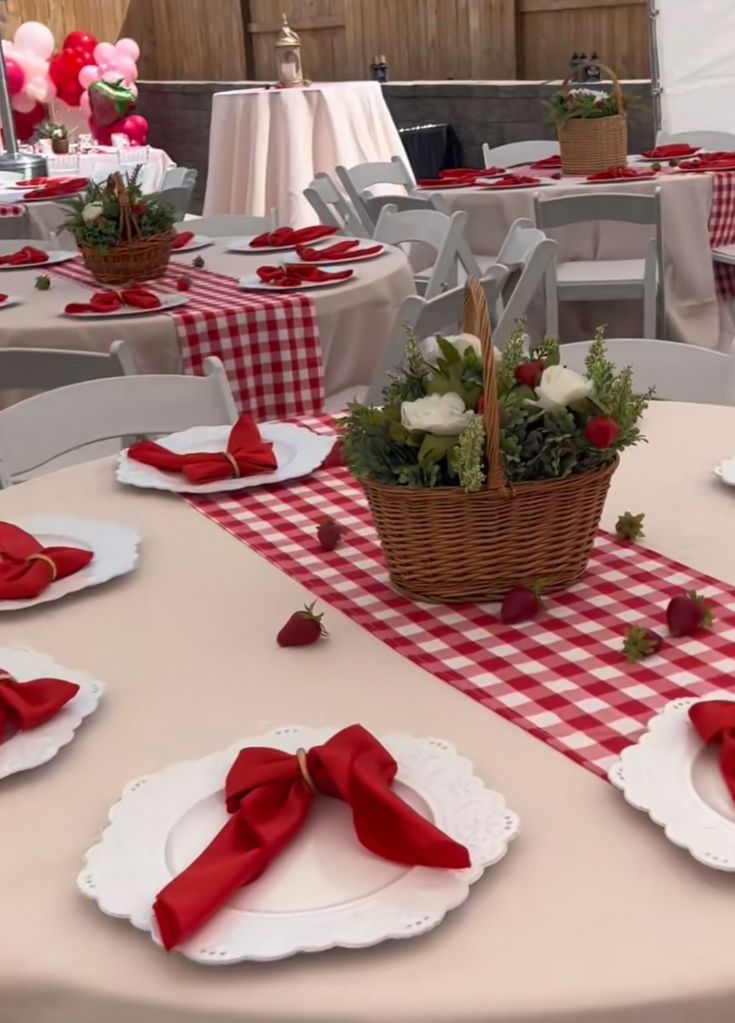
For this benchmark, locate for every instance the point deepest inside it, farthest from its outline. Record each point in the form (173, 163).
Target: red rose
(138, 209)
(529, 373)
(601, 432)
(481, 405)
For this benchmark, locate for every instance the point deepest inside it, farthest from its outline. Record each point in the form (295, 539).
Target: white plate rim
(253, 283)
(199, 241)
(169, 300)
(54, 256)
(242, 244)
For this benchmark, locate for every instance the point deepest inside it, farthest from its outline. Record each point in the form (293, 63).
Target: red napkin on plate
(57, 188)
(512, 181)
(714, 721)
(182, 238)
(140, 298)
(37, 182)
(336, 252)
(620, 174)
(293, 276)
(671, 151)
(25, 705)
(548, 163)
(268, 795)
(100, 302)
(3, 298)
(27, 256)
(246, 455)
(27, 567)
(291, 236)
(449, 181)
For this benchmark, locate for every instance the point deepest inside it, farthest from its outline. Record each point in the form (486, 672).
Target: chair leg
(552, 302)
(650, 309)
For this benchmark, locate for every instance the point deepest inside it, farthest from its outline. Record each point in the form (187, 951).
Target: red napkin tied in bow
(339, 251)
(182, 238)
(512, 181)
(246, 455)
(621, 174)
(291, 237)
(714, 721)
(25, 705)
(465, 180)
(109, 301)
(57, 188)
(37, 182)
(27, 568)
(709, 162)
(295, 275)
(268, 794)
(27, 256)
(140, 298)
(670, 152)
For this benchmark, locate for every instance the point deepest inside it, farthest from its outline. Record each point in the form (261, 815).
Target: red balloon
(134, 126)
(15, 76)
(63, 67)
(24, 126)
(102, 134)
(70, 93)
(81, 40)
(38, 114)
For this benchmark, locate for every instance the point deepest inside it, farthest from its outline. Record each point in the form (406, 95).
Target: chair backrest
(517, 153)
(717, 140)
(355, 180)
(17, 228)
(521, 237)
(177, 176)
(431, 201)
(439, 231)
(425, 317)
(8, 177)
(537, 268)
(677, 371)
(39, 429)
(332, 207)
(226, 225)
(43, 369)
(179, 197)
(577, 209)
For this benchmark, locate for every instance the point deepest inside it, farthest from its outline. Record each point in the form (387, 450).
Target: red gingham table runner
(722, 229)
(269, 344)
(561, 677)
(11, 210)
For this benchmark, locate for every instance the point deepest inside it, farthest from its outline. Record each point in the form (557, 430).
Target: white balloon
(35, 38)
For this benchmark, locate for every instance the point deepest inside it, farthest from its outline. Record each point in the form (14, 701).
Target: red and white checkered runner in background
(722, 230)
(269, 344)
(11, 210)
(561, 677)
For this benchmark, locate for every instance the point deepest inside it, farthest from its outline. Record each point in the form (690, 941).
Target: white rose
(560, 386)
(92, 212)
(442, 414)
(461, 342)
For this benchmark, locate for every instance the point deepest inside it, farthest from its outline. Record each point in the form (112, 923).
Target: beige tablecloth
(266, 145)
(355, 319)
(593, 916)
(694, 313)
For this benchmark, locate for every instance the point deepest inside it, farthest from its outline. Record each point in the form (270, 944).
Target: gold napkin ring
(235, 467)
(46, 560)
(304, 768)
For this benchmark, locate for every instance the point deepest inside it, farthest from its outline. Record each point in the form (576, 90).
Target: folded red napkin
(714, 721)
(100, 302)
(336, 252)
(57, 188)
(513, 181)
(268, 794)
(37, 182)
(450, 181)
(182, 238)
(708, 161)
(141, 298)
(295, 275)
(246, 454)
(27, 567)
(25, 705)
(27, 256)
(670, 152)
(3, 298)
(620, 174)
(548, 163)
(291, 236)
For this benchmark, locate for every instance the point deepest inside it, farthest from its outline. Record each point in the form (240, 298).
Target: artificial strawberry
(198, 262)
(183, 283)
(302, 629)
(629, 526)
(656, 166)
(687, 614)
(138, 209)
(674, 163)
(528, 374)
(328, 533)
(640, 643)
(43, 282)
(556, 176)
(601, 432)
(521, 603)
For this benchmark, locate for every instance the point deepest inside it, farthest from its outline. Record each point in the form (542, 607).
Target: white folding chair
(586, 280)
(179, 197)
(16, 229)
(516, 154)
(332, 208)
(440, 232)
(226, 225)
(36, 431)
(44, 369)
(677, 371)
(536, 267)
(715, 140)
(175, 177)
(358, 179)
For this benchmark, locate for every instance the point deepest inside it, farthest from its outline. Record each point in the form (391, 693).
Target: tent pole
(653, 14)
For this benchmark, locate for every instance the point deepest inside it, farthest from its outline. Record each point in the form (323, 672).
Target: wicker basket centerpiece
(123, 235)
(486, 471)
(591, 125)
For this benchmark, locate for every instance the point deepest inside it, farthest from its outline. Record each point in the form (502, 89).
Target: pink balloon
(90, 73)
(22, 103)
(127, 68)
(111, 76)
(36, 38)
(104, 53)
(133, 89)
(84, 104)
(128, 48)
(134, 126)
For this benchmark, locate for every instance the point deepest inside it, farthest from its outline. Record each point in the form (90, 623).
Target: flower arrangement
(554, 422)
(582, 103)
(59, 134)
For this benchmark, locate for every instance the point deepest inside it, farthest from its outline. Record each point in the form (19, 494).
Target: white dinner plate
(325, 889)
(726, 471)
(672, 776)
(36, 746)
(10, 300)
(115, 553)
(199, 241)
(298, 452)
(253, 283)
(243, 244)
(355, 256)
(54, 255)
(167, 302)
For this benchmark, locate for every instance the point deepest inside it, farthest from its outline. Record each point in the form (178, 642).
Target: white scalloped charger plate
(199, 241)
(726, 471)
(37, 746)
(325, 890)
(54, 255)
(298, 452)
(115, 553)
(676, 780)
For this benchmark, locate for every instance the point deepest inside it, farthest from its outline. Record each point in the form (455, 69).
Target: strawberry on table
(521, 603)
(303, 628)
(328, 533)
(640, 643)
(630, 526)
(183, 283)
(43, 282)
(687, 614)
(198, 262)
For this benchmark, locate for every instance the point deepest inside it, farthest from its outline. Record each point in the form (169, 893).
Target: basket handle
(476, 320)
(616, 86)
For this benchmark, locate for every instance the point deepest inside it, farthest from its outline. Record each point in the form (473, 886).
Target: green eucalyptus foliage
(153, 218)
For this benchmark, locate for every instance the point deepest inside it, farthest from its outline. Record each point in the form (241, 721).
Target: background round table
(355, 319)
(592, 917)
(266, 145)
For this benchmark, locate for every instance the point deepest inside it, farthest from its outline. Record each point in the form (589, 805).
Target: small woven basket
(141, 259)
(444, 545)
(592, 144)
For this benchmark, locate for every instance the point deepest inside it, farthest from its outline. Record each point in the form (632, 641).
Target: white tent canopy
(694, 43)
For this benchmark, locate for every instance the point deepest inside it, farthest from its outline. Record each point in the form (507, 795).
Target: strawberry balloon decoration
(110, 102)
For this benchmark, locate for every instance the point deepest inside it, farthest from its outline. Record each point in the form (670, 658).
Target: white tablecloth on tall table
(266, 145)
(592, 917)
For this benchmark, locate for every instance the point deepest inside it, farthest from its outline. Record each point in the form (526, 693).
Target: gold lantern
(288, 58)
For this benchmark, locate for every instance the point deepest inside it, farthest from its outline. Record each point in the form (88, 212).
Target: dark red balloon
(38, 114)
(24, 126)
(15, 76)
(81, 40)
(102, 134)
(70, 93)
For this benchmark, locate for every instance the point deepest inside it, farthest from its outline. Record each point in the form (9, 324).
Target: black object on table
(431, 148)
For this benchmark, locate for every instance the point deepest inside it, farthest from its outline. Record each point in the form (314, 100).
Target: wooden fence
(422, 39)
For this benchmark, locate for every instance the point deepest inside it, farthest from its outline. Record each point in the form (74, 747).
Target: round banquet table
(354, 319)
(592, 917)
(266, 145)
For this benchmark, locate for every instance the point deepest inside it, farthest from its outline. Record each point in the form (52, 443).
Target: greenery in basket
(116, 211)
(58, 132)
(582, 103)
(554, 422)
